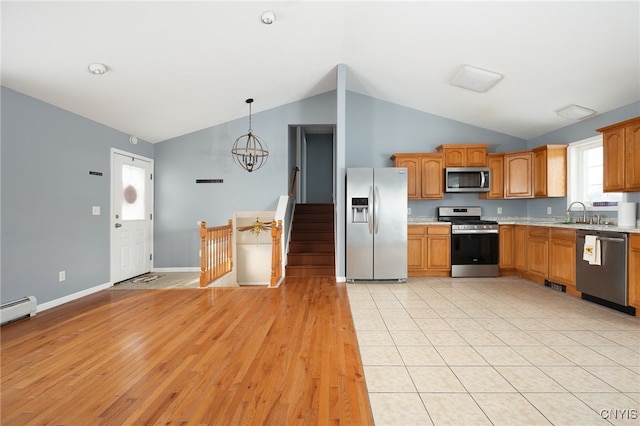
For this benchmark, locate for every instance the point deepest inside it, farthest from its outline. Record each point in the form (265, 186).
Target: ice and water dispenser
(360, 210)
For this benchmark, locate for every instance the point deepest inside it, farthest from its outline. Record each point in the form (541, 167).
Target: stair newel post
(276, 255)
(230, 247)
(203, 254)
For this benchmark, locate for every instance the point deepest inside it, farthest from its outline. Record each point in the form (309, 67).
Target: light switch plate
(96, 210)
(548, 210)
(499, 210)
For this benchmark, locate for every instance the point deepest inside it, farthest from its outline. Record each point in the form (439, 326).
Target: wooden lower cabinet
(507, 256)
(520, 248)
(429, 250)
(538, 253)
(634, 272)
(562, 258)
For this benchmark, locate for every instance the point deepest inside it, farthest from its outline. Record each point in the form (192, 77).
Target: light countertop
(548, 222)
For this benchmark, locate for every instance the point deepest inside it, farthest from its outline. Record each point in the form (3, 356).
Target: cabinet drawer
(539, 231)
(416, 229)
(439, 230)
(563, 234)
(634, 241)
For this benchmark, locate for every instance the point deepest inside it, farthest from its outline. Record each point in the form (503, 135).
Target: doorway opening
(311, 149)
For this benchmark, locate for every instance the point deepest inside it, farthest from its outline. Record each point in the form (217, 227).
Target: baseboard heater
(12, 311)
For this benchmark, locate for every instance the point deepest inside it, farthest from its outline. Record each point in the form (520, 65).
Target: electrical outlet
(548, 210)
(62, 276)
(499, 210)
(409, 211)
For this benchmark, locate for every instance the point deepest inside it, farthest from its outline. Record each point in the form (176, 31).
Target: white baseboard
(341, 279)
(181, 269)
(71, 297)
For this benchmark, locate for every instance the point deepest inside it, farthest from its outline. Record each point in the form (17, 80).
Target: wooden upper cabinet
(518, 174)
(464, 155)
(425, 177)
(414, 183)
(550, 171)
(432, 177)
(621, 156)
(495, 162)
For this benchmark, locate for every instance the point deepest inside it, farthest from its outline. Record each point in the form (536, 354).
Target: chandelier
(248, 151)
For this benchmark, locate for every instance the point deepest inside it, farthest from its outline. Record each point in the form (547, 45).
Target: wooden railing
(276, 253)
(216, 252)
(296, 169)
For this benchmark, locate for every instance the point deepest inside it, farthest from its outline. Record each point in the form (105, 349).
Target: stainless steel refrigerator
(376, 224)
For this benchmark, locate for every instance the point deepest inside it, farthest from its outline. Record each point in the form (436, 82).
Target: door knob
(118, 225)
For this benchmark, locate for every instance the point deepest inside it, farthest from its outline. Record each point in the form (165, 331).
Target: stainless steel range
(474, 242)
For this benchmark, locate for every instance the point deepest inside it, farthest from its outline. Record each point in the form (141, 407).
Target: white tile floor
(473, 351)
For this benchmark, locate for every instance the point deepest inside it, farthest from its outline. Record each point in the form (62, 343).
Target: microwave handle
(482, 179)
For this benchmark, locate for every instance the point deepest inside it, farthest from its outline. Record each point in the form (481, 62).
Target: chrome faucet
(584, 210)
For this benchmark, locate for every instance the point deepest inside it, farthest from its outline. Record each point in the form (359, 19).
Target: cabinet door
(540, 173)
(496, 182)
(416, 249)
(634, 270)
(613, 160)
(562, 256)
(538, 252)
(432, 174)
(518, 175)
(632, 152)
(520, 250)
(414, 187)
(454, 157)
(507, 254)
(439, 252)
(476, 157)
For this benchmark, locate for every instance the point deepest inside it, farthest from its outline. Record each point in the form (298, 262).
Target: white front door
(131, 215)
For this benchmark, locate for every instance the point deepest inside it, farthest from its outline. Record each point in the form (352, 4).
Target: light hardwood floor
(195, 356)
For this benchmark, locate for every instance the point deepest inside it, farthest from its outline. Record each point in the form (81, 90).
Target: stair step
(314, 208)
(310, 271)
(311, 247)
(313, 217)
(311, 226)
(311, 259)
(312, 236)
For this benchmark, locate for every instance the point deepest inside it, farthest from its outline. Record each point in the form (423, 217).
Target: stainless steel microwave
(466, 179)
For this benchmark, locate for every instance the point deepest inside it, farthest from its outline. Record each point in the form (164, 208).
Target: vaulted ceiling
(178, 67)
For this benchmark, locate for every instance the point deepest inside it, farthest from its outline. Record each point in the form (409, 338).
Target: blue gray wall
(206, 154)
(376, 129)
(47, 198)
(47, 192)
(576, 132)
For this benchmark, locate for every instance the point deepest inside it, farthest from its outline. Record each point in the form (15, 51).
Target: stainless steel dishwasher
(607, 281)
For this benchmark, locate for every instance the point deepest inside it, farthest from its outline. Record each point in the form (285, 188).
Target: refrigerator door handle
(370, 216)
(376, 206)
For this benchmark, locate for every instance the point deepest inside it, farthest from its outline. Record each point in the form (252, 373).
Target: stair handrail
(296, 169)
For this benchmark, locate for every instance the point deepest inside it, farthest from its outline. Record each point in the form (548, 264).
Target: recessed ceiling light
(97, 68)
(268, 17)
(575, 112)
(476, 79)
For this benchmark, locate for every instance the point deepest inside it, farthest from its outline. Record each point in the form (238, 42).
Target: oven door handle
(473, 231)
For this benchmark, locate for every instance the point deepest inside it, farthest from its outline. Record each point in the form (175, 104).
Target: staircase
(312, 247)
